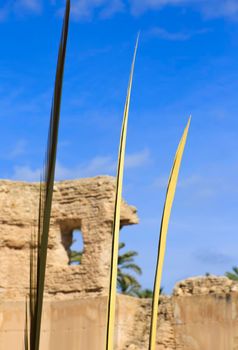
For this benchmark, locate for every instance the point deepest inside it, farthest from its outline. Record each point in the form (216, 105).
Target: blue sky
(187, 63)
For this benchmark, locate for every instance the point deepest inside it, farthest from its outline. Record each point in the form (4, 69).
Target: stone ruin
(201, 314)
(81, 204)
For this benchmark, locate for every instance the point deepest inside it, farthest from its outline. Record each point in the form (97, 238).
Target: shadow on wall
(73, 243)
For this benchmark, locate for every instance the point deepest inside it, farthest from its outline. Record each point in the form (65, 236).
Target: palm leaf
(39, 246)
(132, 267)
(163, 234)
(111, 307)
(129, 280)
(75, 257)
(233, 275)
(128, 284)
(128, 256)
(26, 339)
(122, 245)
(145, 294)
(34, 257)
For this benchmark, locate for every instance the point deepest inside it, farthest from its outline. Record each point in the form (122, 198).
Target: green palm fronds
(75, 257)
(111, 307)
(126, 282)
(233, 275)
(146, 293)
(163, 234)
(39, 241)
(134, 267)
(127, 257)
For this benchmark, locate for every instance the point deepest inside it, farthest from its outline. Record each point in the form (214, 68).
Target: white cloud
(213, 258)
(221, 8)
(161, 182)
(140, 6)
(96, 166)
(210, 8)
(114, 7)
(174, 36)
(15, 150)
(101, 165)
(20, 8)
(138, 159)
(25, 173)
(18, 149)
(206, 186)
(164, 34)
(3, 13)
(86, 9)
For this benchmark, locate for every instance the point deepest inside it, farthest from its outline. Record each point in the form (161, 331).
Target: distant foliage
(233, 275)
(75, 257)
(127, 283)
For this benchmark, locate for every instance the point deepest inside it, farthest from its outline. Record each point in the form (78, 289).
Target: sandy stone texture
(201, 314)
(86, 205)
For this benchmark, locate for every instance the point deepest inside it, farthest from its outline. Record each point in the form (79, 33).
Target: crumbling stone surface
(85, 204)
(201, 314)
(203, 285)
(138, 337)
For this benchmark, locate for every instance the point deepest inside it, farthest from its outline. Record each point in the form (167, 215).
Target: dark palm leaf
(122, 245)
(127, 257)
(233, 275)
(145, 293)
(128, 284)
(132, 290)
(132, 267)
(75, 257)
(39, 248)
(26, 339)
(129, 280)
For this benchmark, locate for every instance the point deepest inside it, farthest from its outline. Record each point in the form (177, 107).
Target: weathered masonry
(202, 313)
(81, 204)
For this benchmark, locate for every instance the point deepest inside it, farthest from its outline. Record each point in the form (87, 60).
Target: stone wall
(200, 321)
(80, 204)
(202, 313)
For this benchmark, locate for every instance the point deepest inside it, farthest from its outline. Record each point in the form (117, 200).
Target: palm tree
(126, 282)
(233, 275)
(147, 293)
(75, 257)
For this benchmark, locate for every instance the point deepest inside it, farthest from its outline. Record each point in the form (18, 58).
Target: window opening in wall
(76, 249)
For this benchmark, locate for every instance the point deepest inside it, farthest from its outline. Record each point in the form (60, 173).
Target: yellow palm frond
(111, 307)
(163, 234)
